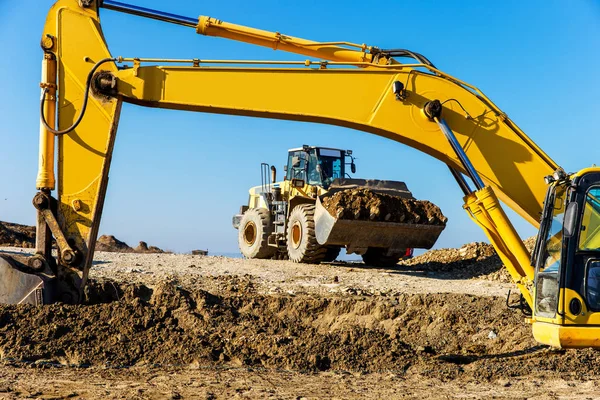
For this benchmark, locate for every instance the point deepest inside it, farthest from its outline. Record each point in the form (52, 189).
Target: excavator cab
(567, 263)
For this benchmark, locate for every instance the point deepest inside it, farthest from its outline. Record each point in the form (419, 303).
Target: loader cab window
(548, 265)
(331, 164)
(589, 233)
(314, 168)
(296, 166)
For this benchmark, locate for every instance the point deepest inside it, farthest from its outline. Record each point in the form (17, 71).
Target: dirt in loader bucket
(367, 205)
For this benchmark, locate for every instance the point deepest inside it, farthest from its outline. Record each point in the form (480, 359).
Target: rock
(143, 247)
(492, 335)
(112, 244)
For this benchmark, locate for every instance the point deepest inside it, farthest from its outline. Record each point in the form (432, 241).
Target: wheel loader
(287, 219)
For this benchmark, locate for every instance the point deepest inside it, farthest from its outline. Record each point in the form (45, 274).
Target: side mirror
(353, 167)
(570, 219)
(285, 168)
(295, 162)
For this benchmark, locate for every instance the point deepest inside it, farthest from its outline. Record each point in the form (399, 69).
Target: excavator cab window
(548, 265)
(588, 247)
(589, 233)
(592, 284)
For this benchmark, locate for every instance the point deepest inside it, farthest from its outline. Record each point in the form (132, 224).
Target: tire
(377, 257)
(301, 240)
(332, 254)
(253, 233)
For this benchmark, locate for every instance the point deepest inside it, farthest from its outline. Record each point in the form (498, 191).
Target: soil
(471, 260)
(185, 326)
(17, 235)
(364, 204)
(453, 339)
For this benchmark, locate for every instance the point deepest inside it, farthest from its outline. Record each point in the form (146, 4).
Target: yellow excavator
(350, 85)
(287, 219)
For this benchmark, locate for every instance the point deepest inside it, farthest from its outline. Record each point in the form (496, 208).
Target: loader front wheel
(302, 245)
(379, 258)
(253, 233)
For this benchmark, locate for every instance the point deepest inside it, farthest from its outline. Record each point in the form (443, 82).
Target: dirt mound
(16, 235)
(364, 204)
(438, 335)
(143, 247)
(112, 244)
(473, 260)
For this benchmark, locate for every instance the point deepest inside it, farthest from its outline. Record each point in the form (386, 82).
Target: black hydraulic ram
(433, 110)
(149, 13)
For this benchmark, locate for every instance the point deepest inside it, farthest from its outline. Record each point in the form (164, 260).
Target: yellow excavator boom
(354, 89)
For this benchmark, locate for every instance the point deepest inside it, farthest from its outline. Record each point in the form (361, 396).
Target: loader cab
(318, 166)
(567, 263)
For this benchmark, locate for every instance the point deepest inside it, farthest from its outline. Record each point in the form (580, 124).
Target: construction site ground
(182, 326)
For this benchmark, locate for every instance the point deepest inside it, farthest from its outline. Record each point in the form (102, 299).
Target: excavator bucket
(18, 287)
(359, 235)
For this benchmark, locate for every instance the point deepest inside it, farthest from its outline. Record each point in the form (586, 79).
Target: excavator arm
(354, 86)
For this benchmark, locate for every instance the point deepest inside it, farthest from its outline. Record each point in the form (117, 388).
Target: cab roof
(315, 147)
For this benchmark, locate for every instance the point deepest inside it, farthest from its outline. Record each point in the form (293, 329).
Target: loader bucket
(358, 235)
(393, 188)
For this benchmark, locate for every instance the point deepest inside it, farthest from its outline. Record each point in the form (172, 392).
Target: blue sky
(537, 60)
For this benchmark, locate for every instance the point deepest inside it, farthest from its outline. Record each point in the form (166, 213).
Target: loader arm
(360, 87)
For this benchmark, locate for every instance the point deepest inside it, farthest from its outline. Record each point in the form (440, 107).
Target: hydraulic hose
(86, 94)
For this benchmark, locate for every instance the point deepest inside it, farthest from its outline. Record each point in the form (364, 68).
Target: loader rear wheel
(302, 245)
(253, 233)
(332, 254)
(377, 257)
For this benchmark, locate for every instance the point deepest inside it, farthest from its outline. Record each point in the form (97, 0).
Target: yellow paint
(561, 336)
(484, 209)
(45, 178)
(82, 154)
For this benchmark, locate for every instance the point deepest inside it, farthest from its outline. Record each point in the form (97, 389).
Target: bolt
(105, 82)
(77, 205)
(68, 256)
(47, 42)
(40, 201)
(433, 109)
(36, 263)
(85, 3)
